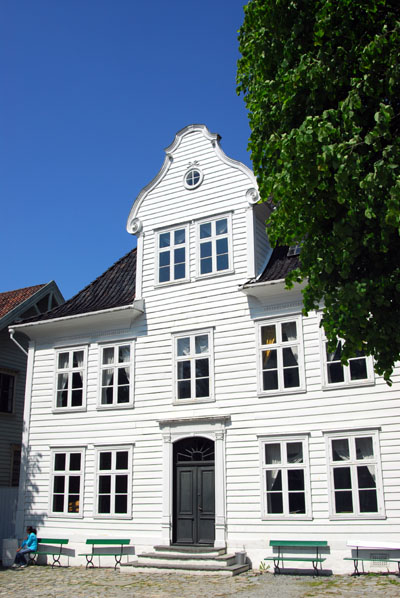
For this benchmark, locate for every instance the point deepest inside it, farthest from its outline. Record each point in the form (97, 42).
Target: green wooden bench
(380, 556)
(283, 545)
(55, 552)
(116, 552)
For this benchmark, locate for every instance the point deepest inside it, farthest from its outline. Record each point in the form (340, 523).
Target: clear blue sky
(92, 91)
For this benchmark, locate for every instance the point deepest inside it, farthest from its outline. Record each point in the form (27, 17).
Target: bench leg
(56, 560)
(276, 566)
(118, 558)
(89, 560)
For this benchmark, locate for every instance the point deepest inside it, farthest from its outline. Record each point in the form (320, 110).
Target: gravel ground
(77, 582)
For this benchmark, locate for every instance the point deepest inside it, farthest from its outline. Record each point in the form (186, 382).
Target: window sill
(358, 384)
(169, 283)
(214, 274)
(286, 391)
(192, 401)
(66, 515)
(286, 518)
(117, 406)
(112, 517)
(69, 409)
(355, 517)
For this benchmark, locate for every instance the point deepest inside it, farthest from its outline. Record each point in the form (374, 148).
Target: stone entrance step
(196, 560)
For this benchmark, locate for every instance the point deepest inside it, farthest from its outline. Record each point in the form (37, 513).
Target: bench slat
(52, 541)
(108, 541)
(300, 543)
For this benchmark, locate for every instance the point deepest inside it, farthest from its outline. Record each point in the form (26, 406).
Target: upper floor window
(286, 486)
(359, 371)
(193, 366)
(71, 378)
(193, 178)
(7, 389)
(172, 255)
(114, 480)
(67, 482)
(355, 476)
(281, 364)
(116, 375)
(214, 243)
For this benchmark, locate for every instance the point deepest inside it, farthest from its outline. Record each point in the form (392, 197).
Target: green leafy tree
(321, 82)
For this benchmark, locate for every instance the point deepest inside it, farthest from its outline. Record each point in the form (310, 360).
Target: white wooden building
(182, 398)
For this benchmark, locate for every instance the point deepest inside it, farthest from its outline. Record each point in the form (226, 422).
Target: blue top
(30, 542)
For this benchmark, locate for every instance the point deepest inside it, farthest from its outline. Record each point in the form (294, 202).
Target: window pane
(202, 387)
(222, 246)
(268, 335)
(104, 503)
(342, 478)
(291, 378)
(77, 360)
(76, 398)
(364, 448)
(179, 271)
(205, 230)
(123, 376)
(368, 501)
(269, 359)
(179, 255)
(74, 484)
(274, 479)
(335, 373)
(290, 356)
(206, 266)
(274, 503)
(77, 381)
(205, 250)
(62, 381)
(121, 503)
(107, 396)
(366, 476)
(289, 332)
(73, 503)
(183, 370)
(123, 394)
(124, 354)
(108, 355)
(75, 461)
(63, 360)
(272, 453)
(294, 452)
(343, 502)
(297, 503)
(164, 240)
(121, 484)
(222, 262)
(336, 355)
(270, 380)
(122, 460)
(340, 449)
(164, 258)
(358, 369)
(104, 484)
(59, 484)
(179, 236)
(184, 390)
(62, 398)
(183, 346)
(201, 343)
(105, 461)
(58, 503)
(164, 274)
(59, 462)
(201, 368)
(221, 227)
(296, 479)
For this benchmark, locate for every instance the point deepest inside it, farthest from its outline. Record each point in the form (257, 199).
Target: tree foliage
(321, 82)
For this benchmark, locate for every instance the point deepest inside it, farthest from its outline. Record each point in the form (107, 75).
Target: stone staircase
(191, 560)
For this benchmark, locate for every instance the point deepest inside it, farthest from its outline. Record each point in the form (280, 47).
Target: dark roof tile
(11, 299)
(279, 265)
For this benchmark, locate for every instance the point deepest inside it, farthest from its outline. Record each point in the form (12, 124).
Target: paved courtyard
(76, 582)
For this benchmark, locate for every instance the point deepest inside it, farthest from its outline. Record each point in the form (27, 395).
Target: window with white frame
(67, 482)
(359, 371)
(70, 378)
(285, 478)
(281, 363)
(7, 389)
(116, 375)
(355, 475)
(193, 366)
(172, 255)
(114, 479)
(214, 243)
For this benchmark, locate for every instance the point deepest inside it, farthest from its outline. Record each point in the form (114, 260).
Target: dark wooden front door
(194, 492)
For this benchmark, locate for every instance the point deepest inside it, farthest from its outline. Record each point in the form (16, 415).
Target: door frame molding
(214, 428)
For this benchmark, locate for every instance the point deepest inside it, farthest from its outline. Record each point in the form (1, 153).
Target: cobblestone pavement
(76, 582)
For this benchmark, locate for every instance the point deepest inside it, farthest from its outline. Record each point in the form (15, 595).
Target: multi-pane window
(358, 371)
(116, 375)
(67, 482)
(114, 481)
(355, 475)
(7, 388)
(285, 478)
(281, 355)
(193, 366)
(70, 378)
(214, 246)
(172, 255)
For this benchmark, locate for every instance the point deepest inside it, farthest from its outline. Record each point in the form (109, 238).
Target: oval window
(193, 178)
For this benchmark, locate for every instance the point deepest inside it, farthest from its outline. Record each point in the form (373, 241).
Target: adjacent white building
(183, 399)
